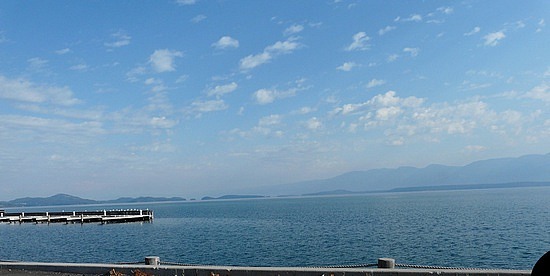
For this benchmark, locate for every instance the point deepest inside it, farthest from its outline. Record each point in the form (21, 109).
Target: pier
(103, 216)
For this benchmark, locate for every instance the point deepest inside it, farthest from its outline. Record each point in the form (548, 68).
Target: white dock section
(103, 216)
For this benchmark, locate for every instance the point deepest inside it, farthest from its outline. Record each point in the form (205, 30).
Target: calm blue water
(501, 228)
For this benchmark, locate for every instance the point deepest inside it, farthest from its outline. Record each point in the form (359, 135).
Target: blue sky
(103, 99)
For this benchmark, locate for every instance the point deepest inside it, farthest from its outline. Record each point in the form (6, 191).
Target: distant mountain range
(64, 199)
(524, 169)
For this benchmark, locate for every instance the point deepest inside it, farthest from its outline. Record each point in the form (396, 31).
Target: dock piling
(152, 260)
(386, 263)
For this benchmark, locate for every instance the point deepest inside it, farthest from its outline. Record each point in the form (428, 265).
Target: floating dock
(103, 216)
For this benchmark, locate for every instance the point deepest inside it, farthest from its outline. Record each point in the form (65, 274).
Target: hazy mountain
(64, 199)
(528, 168)
(59, 199)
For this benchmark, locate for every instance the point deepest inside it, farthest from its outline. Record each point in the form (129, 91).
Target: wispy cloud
(79, 67)
(163, 60)
(37, 64)
(294, 29)
(119, 39)
(208, 106)
(198, 18)
(475, 30)
(541, 24)
(51, 129)
(386, 29)
(63, 51)
(360, 42)
(226, 42)
(412, 51)
(445, 10)
(133, 74)
(267, 96)
(492, 39)
(392, 57)
(279, 48)
(412, 17)
(25, 91)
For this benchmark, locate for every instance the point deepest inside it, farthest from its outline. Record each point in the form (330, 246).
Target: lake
(494, 228)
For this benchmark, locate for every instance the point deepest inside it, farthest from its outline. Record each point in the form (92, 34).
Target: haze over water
(496, 228)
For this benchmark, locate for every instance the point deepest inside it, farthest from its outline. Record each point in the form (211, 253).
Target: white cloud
(412, 51)
(401, 119)
(386, 30)
(279, 48)
(314, 123)
(294, 29)
(541, 92)
(133, 74)
(380, 101)
(120, 39)
(264, 96)
(541, 25)
(209, 106)
(267, 96)
(360, 40)
(182, 78)
(388, 113)
(37, 64)
(198, 18)
(270, 120)
(51, 129)
(304, 110)
(63, 51)
(445, 10)
(492, 39)
(347, 66)
(25, 91)
(226, 42)
(162, 122)
(186, 2)
(374, 82)
(412, 17)
(475, 30)
(163, 60)
(253, 61)
(392, 58)
(79, 67)
(220, 90)
(283, 47)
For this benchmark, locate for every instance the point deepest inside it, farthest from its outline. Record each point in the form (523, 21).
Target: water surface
(497, 228)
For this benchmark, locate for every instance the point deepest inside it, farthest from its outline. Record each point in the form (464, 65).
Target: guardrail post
(386, 263)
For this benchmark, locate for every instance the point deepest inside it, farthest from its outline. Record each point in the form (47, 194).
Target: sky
(103, 99)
